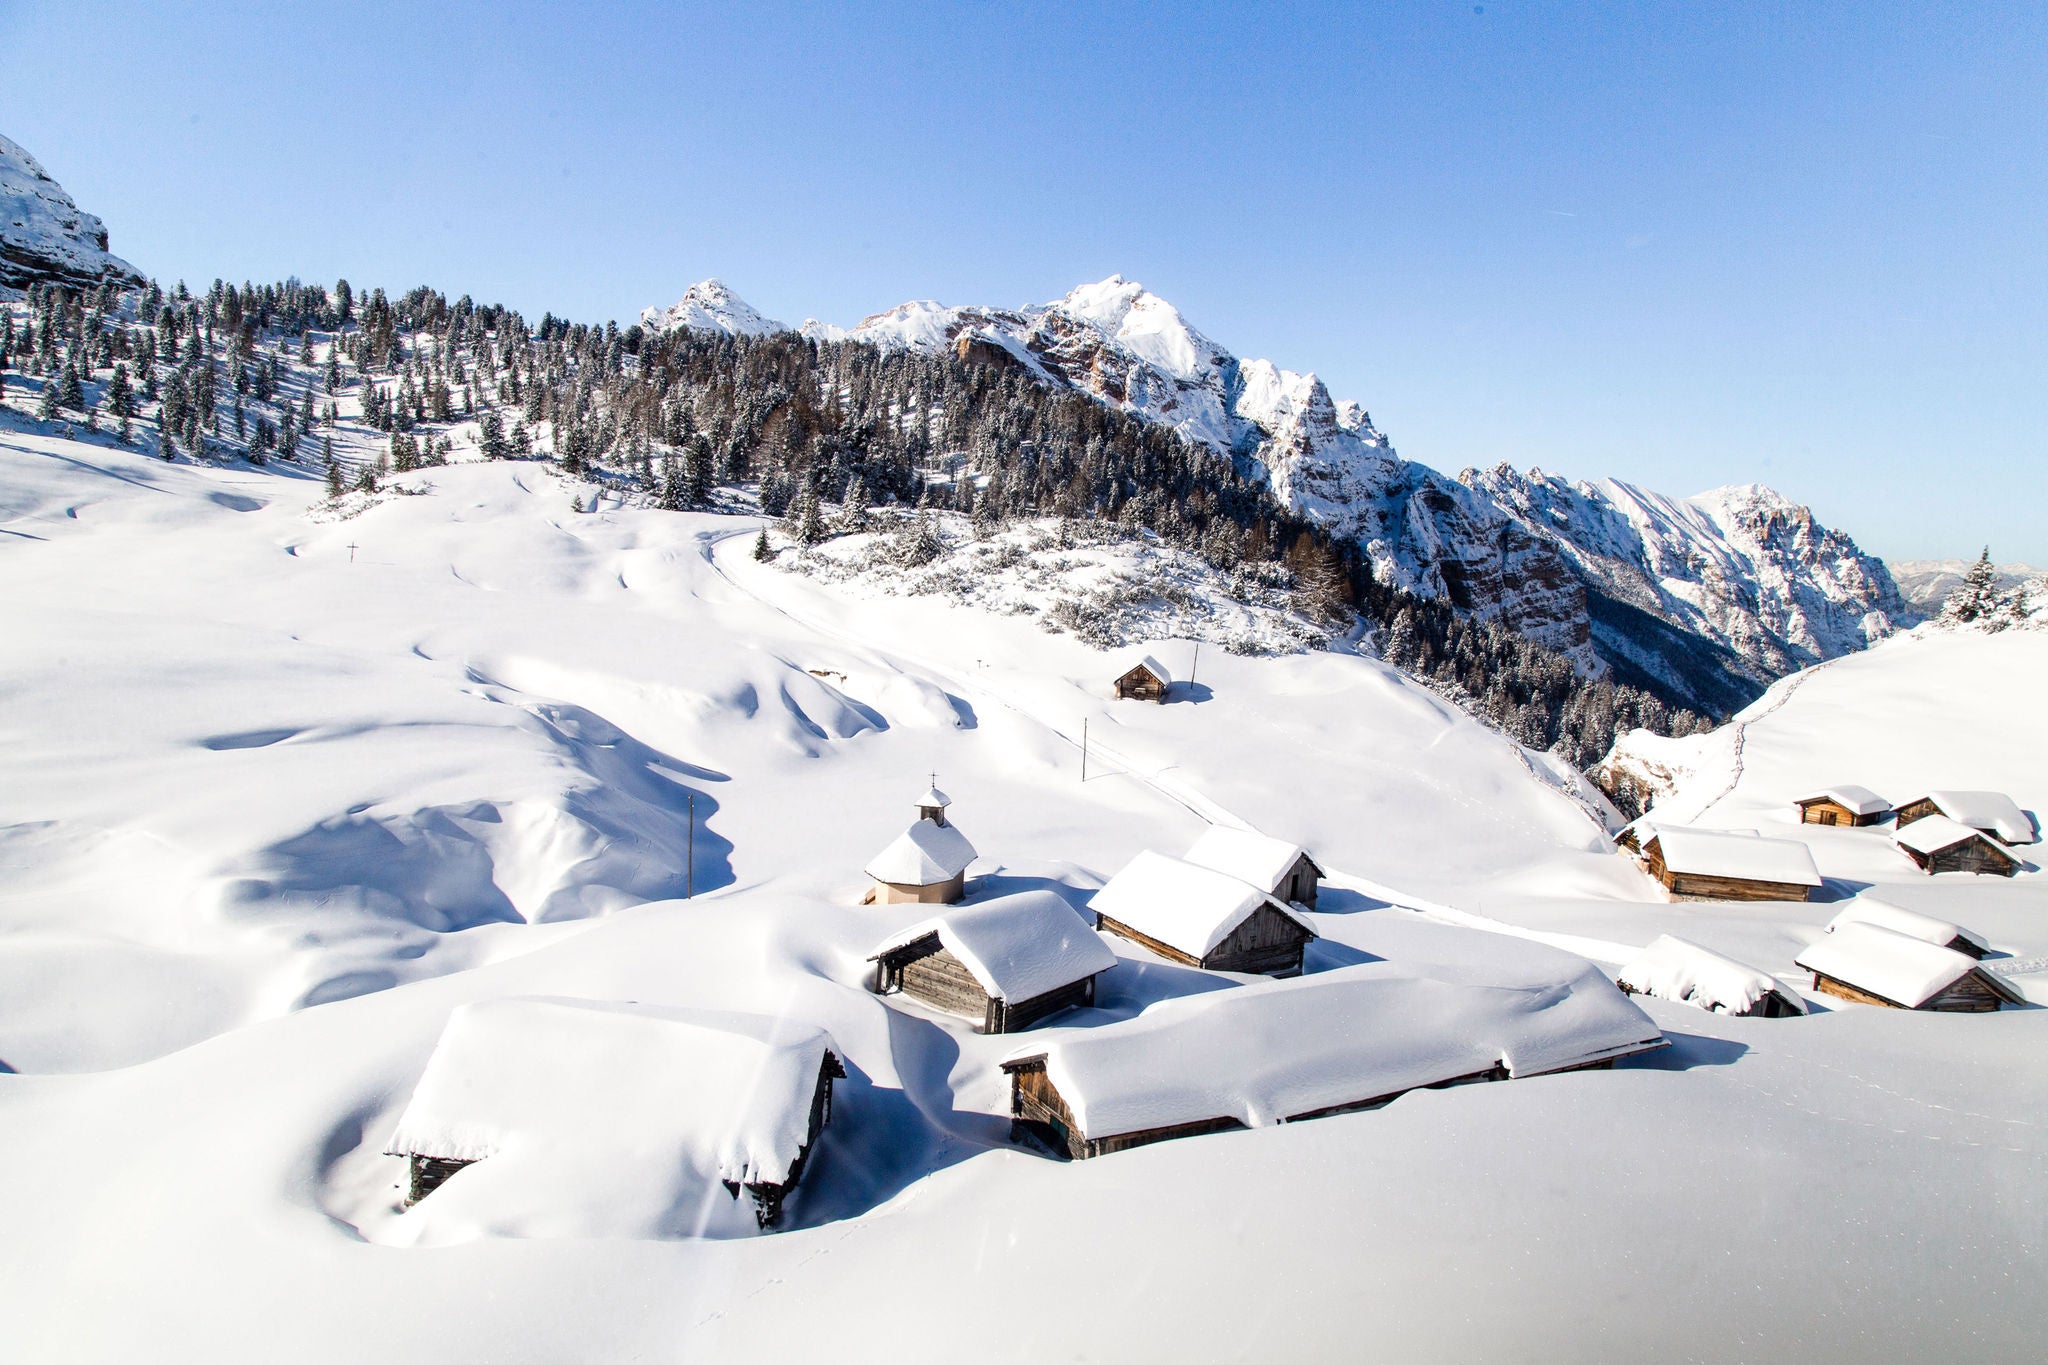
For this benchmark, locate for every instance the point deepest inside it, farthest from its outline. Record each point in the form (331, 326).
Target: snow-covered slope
(44, 235)
(709, 306)
(254, 744)
(1760, 588)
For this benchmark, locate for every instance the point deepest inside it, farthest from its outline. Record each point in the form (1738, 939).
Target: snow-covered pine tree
(1976, 597)
(853, 512)
(810, 523)
(763, 551)
(671, 495)
(920, 543)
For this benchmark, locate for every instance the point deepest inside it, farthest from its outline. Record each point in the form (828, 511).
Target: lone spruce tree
(1976, 597)
(763, 551)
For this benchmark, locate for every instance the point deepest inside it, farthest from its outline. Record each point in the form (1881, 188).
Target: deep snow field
(279, 788)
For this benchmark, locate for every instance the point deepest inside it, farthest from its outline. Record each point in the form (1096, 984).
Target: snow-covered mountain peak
(46, 236)
(710, 306)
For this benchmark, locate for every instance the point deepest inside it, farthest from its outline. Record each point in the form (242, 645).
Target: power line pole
(690, 861)
(1084, 751)
(351, 552)
(1192, 666)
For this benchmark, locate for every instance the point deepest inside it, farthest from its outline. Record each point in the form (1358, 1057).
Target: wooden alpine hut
(1926, 928)
(1844, 805)
(551, 1094)
(1676, 969)
(1876, 966)
(1936, 843)
(1991, 813)
(926, 864)
(1722, 865)
(1333, 1043)
(1201, 917)
(1004, 963)
(1143, 679)
(1273, 865)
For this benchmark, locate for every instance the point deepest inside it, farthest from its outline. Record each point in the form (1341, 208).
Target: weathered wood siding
(768, 1198)
(1969, 995)
(1972, 855)
(1015, 1017)
(1268, 942)
(1122, 930)
(426, 1174)
(939, 979)
(1140, 684)
(1827, 812)
(1698, 887)
(1300, 883)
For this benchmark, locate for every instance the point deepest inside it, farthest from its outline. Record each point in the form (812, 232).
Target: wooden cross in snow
(351, 552)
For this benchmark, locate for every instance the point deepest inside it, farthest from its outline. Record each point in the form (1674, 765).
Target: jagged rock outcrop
(44, 236)
(1710, 596)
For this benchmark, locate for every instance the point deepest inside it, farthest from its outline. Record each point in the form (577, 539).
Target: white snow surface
(44, 235)
(1993, 812)
(1183, 906)
(269, 816)
(1018, 946)
(1902, 969)
(1911, 923)
(710, 306)
(1673, 969)
(923, 855)
(1271, 1051)
(716, 1094)
(1725, 853)
(1247, 855)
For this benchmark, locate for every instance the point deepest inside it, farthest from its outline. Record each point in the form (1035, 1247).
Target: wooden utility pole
(690, 860)
(1192, 666)
(1084, 751)
(351, 552)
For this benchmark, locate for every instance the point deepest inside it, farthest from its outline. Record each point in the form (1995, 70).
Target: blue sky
(1680, 245)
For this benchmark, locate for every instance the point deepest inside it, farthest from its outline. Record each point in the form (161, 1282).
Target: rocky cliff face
(1754, 586)
(44, 236)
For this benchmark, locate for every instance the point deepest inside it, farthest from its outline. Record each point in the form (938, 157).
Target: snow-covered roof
(1912, 924)
(1933, 833)
(1889, 965)
(1249, 857)
(923, 855)
(1186, 907)
(1855, 799)
(1018, 946)
(725, 1093)
(1993, 812)
(1675, 969)
(1725, 853)
(934, 797)
(1139, 659)
(1268, 1052)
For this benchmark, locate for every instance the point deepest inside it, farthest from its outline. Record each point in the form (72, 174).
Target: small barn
(1876, 966)
(599, 1102)
(1926, 928)
(926, 864)
(1201, 917)
(1676, 969)
(1143, 679)
(1936, 843)
(1723, 865)
(1992, 813)
(1845, 805)
(1333, 1043)
(1631, 835)
(1004, 963)
(1273, 865)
